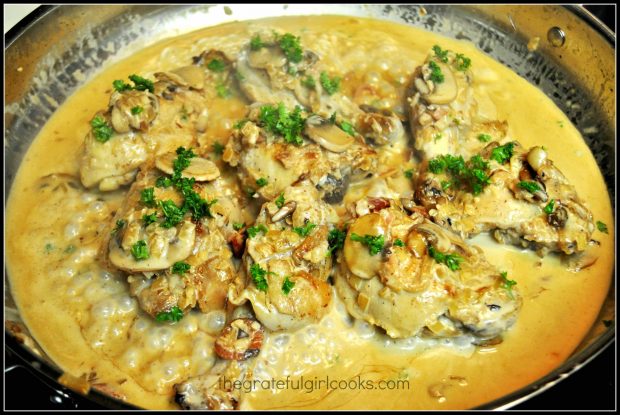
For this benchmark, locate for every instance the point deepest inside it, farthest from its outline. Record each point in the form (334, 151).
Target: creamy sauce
(84, 318)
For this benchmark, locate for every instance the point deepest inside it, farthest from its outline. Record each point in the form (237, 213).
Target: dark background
(592, 387)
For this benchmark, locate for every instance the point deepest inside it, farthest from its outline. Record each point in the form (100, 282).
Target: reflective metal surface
(59, 48)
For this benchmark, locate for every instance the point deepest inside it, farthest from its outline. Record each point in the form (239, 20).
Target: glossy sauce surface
(86, 321)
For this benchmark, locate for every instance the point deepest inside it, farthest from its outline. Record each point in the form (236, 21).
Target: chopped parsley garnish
(142, 84)
(452, 261)
(148, 219)
(398, 242)
(507, 284)
(437, 137)
(101, 130)
(330, 85)
(436, 75)
(238, 75)
(347, 128)
(503, 153)
(172, 213)
(182, 161)
(262, 182)
(49, 247)
(222, 91)
(258, 275)
(440, 54)
(70, 249)
(218, 149)
(254, 230)
(485, 138)
(216, 65)
(137, 110)
(180, 267)
(287, 286)
(550, 206)
(529, 186)
(239, 124)
(471, 176)
(256, 43)
(304, 230)
(121, 85)
(409, 173)
(238, 226)
(374, 243)
(601, 227)
(140, 250)
(336, 238)
(309, 82)
(280, 201)
(462, 62)
(147, 197)
(175, 315)
(163, 181)
(291, 47)
(279, 121)
(119, 225)
(250, 192)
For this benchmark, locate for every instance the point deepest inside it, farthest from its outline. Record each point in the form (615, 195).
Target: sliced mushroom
(558, 217)
(201, 169)
(334, 188)
(446, 91)
(166, 246)
(380, 127)
(240, 340)
(327, 135)
(193, 76)
(286, 210)
(133, 109)
(267, 58)
(357, 256)
(537, 158)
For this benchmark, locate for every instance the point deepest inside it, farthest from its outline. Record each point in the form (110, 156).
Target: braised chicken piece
(287, 260)
(171, 236)
(276, 148)
(411, 277)
(475, 178)
(142, 121)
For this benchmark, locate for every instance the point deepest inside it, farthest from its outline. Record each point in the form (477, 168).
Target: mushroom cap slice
(201, 169)
(446, 91)
(327, 135)
(166, 246)
(193, 76)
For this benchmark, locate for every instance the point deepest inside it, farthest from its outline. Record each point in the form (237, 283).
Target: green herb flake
(330, 85)
(440, 54)
(218, 149)
(137, 110)
(101, 130)
(140, 250)
(452, 261)
(174, 315)
(147, 197)
(462, 62)
(69, 249)
(49, 248)
(119, 225)
(254, 230)
(531, 187)
(336, 238)
(471, 175)
(398, 242)
(279, 121)
(309, 82)
(216, 65)
(550, 206)
(347, 128)
(485, 138)
(262, 182)
(238, 226)
(256, 43)
(148, 219)
(436, 75)
(222, 91)
(507, 284)
(601, 227)
(409, 173)
(142, 84)
(503, 153)
(304, 230)
(374, 243)
(280, 201)
(172, 213)
(121, 86)
(163, 182)
(291, 47)
(258, 275)
(287, 286)
(180, 268)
